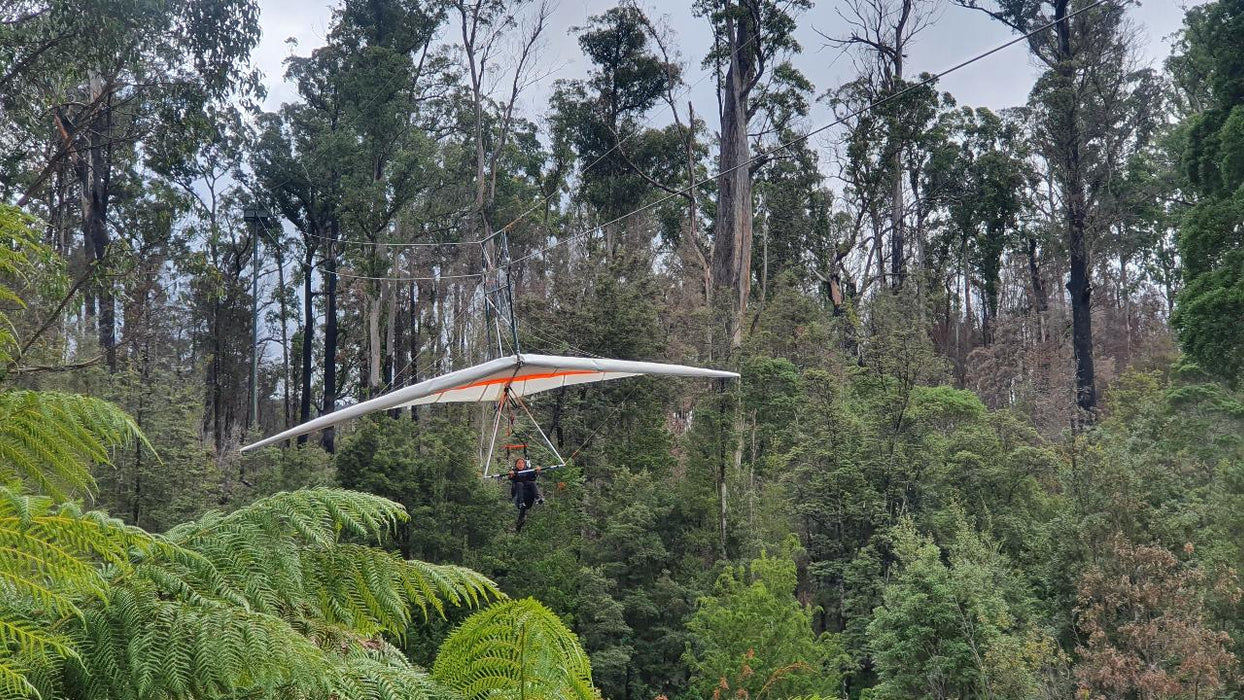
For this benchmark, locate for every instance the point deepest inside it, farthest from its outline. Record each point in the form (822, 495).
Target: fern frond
(143, 646)
(14, 682)
(378, 671)
(50, 440)
(16, 261)
(514, 649)
(310, 516)
(370, 591)
(283, 556)
(32, 638)
(264, 602)
(49, 566)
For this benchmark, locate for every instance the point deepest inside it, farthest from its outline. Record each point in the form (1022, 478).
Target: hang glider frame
(508, 398)
(515, 376)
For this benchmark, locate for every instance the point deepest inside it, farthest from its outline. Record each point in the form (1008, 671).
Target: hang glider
(499, 380)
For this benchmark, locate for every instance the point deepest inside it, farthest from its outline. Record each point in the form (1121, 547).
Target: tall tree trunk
(308, 337)
(96, 182)
(392, 340)
(375, 300)
(732, 228)
(415, 294)
(897, 242)
(285, 368)
(216, 382)
(1125, 305)
(1079, 284)
(1040, 297)
(330, 332)
(392, 334)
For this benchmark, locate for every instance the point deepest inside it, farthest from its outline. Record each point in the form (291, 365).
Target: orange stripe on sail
(521, 378)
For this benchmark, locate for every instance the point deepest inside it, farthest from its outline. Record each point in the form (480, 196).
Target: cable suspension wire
(527, 325)
(350, 275)
(466, 308)
(804, 137)
(396, 244)
(371, 278)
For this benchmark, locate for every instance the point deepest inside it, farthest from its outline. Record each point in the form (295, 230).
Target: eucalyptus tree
(880, 33)
(985, 182)
(499, 41)
(295, 163)
(385, 84)
(602, 117)
(85, 106)
(1086, 52)
(343, 162)
(751, 42)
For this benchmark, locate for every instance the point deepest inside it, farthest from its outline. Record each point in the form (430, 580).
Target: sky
(1002, 80)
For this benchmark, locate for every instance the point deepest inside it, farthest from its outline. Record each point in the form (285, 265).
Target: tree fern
(515, 649)
(284, 555)
(49, 565)
(268, 601)
(50, 440)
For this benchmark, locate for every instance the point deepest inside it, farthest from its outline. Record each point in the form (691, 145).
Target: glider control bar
(506, 475)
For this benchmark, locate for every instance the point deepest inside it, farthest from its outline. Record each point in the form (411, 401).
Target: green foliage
(432, 469)
(14, 265)
(49, 572)
(28, 269)
(952, 545)
(276, 599)
(270, 596)
(270, 600)
(950, 629)
(48, 440)
(516, 649)
(1210, 243)
(752, 637)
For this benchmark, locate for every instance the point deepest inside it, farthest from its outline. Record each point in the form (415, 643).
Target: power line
(804, 137)
(348, 275)
(371, 278)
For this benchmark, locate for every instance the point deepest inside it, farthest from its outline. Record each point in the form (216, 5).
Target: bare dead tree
(879, 33)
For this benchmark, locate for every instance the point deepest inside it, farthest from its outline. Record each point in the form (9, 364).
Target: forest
(987, 442)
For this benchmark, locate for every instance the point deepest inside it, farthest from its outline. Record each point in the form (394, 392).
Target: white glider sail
(521, 375)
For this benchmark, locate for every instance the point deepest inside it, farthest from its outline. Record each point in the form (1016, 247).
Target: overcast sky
(1002, 80)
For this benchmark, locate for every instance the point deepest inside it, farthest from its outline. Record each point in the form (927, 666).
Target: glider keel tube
(522, 375)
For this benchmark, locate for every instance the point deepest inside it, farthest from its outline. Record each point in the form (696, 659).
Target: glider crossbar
(504, 475)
